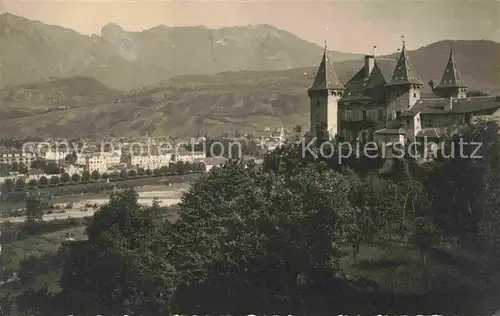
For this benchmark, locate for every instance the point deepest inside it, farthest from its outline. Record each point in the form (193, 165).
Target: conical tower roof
(451, 76)
(326, 77)
(403, 73)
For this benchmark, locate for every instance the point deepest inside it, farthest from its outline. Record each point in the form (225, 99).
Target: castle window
(414, 94)
(340, 94)
(334, 94)
(347, 115)
(381, 115)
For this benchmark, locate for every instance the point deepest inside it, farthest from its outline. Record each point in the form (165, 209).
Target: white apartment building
(55, 155)
(150, 161)
(81, 160)
(211, 163)
(95, 162)
(24, 158)
(113, 158)
(189, 156)
(99, 161)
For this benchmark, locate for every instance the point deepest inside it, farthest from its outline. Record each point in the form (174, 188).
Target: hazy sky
(351, 26)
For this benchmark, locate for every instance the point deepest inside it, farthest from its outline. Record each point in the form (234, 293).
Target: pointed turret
(451, 84)
(326, 77)
(403, 73)
(324, 94)
(403, 90)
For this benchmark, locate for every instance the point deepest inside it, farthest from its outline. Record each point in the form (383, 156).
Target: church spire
(451, 78)
(282, 138)
(403, 73)
(326, 77)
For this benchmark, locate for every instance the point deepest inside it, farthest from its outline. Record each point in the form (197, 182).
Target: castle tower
(451, 85)
(324, 95)
(403, 90)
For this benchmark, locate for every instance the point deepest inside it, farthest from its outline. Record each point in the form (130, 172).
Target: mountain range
(87, 103)
(33, 51)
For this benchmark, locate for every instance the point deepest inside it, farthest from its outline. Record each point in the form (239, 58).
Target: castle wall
(401, 99)
(324, 113)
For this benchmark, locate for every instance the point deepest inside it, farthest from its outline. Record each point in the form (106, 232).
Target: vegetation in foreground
(300, 235)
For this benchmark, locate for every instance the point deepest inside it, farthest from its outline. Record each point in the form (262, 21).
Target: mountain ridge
(33, 51)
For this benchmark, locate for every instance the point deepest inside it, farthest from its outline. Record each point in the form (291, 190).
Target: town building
(368, 107)
(150, 161)
(95, 163)
(55, 156)
(188, 155)
(272, 143)
(20, 158)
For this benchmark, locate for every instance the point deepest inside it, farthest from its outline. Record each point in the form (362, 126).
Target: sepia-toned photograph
(207, 157)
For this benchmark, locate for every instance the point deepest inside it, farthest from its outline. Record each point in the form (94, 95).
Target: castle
(369, 108)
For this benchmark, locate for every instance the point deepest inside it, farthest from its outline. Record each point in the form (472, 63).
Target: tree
(171, 168)
(23, 169)
(71, 158)
(132, 173)
(4, 170)
(141, 171)
(158, 172)
(180, 167)
(86, 176)
(20, 183)
(114, 176)
(123, 238)
(54, 180)
(65, 177)
(39, 164)
(271, 232)
(75, 177)
(43, 181)
(14, 166)
(95, 175)
(8, 185)
(298, 129)
(149, 172)
(51, 168)
(34, 211)
(32, 183)
(201, 167)
(105, 176)
(123, 174)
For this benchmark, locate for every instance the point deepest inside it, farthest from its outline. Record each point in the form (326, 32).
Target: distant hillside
(57, 95)
(32, 51)
(246, 101)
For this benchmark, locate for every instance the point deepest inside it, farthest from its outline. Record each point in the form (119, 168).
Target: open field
(81, 205)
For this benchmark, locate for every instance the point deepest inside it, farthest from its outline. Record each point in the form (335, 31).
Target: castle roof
(326, 77)
(459, 106)
(429, 133)
(451, 76)
(403, 73)
(390, 131)
(365, 89)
